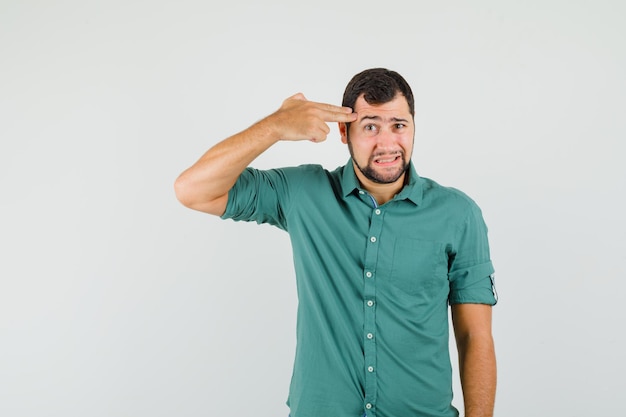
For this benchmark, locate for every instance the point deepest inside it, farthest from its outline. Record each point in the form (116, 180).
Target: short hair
(378, 86)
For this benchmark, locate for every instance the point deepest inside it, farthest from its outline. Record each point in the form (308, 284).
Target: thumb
(298, 96)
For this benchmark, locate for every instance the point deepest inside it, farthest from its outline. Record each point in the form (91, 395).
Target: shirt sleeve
(260, 196)
(471, 270)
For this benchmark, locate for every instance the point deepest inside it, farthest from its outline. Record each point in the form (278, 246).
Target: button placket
(369, 293)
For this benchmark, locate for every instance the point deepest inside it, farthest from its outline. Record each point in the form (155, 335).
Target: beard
(381, 176)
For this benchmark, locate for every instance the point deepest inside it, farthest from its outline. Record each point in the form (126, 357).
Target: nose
(385, 139)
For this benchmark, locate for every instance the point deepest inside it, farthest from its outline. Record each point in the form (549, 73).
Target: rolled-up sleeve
(259, 196)
(471, 271)
(265, 196)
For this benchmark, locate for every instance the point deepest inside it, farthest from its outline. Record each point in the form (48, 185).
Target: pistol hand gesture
(301, 119)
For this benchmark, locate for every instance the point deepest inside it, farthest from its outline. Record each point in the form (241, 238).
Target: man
(379, 254)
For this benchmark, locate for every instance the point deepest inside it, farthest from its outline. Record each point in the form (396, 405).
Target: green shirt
(373, 283)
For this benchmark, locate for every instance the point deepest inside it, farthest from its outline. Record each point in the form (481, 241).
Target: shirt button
(370, 369)
(373, 239)
(368, 274)
(370, 303)
(361, 192)
(377, 211)
(370, 336)
(368, 406)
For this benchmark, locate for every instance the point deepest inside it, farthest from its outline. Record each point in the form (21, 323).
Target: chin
(383, 178)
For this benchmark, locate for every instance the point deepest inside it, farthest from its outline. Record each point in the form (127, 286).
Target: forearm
(214, 174)
(477, 364)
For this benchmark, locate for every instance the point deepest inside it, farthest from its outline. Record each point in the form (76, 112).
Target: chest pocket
(419, 267)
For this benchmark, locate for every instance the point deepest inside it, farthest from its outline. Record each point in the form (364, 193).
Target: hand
(301, 119)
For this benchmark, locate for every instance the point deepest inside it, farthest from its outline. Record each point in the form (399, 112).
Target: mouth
(387, 160)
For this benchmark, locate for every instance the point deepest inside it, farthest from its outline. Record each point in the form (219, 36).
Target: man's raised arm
(204, 186)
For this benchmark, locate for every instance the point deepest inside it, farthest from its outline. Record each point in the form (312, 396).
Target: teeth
(384, 161)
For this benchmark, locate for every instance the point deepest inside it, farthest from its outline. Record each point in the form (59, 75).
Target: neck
(381, 192)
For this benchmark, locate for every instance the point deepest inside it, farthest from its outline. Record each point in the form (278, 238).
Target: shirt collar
(411, 191)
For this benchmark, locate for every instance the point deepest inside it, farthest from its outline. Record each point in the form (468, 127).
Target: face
(380, 140)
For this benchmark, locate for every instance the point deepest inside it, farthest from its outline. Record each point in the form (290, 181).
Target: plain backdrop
(115, 300)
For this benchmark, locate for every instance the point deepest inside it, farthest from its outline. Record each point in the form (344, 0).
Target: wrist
(270, 130)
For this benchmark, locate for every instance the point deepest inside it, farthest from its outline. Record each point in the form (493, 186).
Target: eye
(399, 126)
(370, 128)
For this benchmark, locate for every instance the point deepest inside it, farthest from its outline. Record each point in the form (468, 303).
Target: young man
(379, 254)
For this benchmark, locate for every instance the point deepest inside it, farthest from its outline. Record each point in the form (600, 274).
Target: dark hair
(379, 86)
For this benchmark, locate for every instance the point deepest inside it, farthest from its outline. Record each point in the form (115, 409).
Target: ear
(343, 131)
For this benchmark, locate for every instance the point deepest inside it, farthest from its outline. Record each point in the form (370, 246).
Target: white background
(115, 300)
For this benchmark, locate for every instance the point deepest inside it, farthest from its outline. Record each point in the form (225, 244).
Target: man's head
(381, 138)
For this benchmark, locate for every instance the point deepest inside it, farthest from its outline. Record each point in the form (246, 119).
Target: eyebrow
(378, 118)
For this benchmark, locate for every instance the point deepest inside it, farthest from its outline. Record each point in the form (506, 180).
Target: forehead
(398, 107)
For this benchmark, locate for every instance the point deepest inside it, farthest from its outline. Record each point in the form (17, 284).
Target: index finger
(332, 113)
(333, 108)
